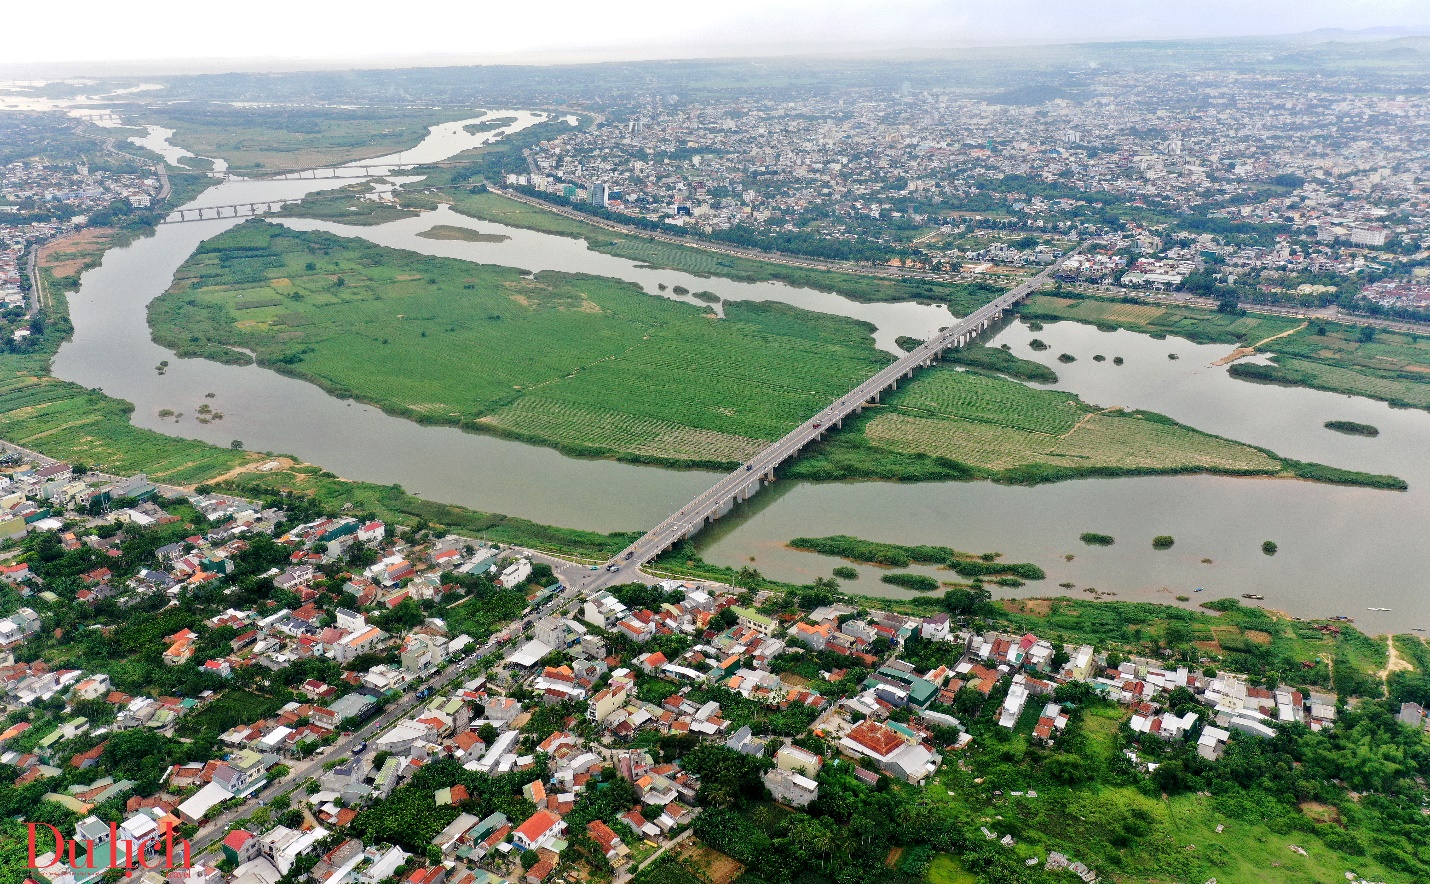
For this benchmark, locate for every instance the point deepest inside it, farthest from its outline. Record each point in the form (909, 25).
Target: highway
(745, 480)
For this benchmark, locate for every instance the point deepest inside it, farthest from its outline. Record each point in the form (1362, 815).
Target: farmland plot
(590, 365)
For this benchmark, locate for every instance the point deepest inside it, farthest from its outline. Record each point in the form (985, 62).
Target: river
(1341, 549)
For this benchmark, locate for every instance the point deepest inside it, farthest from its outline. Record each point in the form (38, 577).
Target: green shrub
(916, 582)
(1092, 538)
(1163, 541)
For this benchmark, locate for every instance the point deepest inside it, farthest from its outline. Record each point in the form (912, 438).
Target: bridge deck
(744, 481)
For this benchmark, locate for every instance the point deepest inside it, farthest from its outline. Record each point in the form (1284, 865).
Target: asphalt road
(215, 830)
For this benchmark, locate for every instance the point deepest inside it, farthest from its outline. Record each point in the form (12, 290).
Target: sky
(93, 33)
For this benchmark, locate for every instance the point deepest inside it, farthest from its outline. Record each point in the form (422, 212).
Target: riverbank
(1391, 366)
(946, 424)
(962, 298)
(588, 365)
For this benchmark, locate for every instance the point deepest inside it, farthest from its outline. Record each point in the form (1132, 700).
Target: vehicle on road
(818, 424)
(749, 466)
(630, 555)
(613, 568)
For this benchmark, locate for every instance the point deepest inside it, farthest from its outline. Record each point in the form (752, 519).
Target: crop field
(996, 424)
(67, 422)
(587, 364)
(538, 418)
(659, 254)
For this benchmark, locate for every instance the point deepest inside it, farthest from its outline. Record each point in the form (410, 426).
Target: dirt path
(1393, 663)
(1087, 417)
(1243, 352)
(284, 463)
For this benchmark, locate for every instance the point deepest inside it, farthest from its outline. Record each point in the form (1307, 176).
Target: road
(214, 831)
(33, 269)
(744, 481)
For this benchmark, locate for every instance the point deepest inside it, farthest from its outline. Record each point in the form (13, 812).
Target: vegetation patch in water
(1351, 428)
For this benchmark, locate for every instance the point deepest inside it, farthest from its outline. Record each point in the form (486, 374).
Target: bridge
(746, 481)
(232, 210)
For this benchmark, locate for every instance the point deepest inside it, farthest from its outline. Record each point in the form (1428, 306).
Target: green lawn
(946, 869)
(586, 364)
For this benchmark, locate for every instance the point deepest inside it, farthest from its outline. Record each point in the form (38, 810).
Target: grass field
(1386, 365)
(961, 298)
(589, 365)
(1004, 429)
(68, 422)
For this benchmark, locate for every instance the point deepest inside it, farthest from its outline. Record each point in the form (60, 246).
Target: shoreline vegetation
(1390, 366)
(894, 555)
(485, 205)
(595, 367)
(952, 425)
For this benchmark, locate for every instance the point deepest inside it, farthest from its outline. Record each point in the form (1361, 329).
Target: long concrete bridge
(233, 210)
(748, 479)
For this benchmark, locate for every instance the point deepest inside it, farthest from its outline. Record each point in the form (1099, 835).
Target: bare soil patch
(710, 864)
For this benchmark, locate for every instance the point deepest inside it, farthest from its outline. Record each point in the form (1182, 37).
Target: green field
(950, 424)
(1386, 365)
(586, 364)
(68, 422)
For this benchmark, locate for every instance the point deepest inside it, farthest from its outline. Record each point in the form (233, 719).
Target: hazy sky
(551, 30)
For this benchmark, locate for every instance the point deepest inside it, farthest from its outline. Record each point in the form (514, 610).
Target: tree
(236, 445)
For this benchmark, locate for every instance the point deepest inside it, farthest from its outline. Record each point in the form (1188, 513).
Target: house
(608, 842)
(240, 846)
(895, 754)
(791, 789)
(198, 805)
(793, 758)
(606, 702)
(540, 830)
(751, 619)
(515, 574)
(358, 643)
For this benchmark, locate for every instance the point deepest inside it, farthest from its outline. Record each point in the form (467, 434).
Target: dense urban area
(1268, 186)
(223, 666)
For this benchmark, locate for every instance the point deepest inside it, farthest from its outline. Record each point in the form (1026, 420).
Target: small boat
(1418, 629)
(1252, 595)
(1198, 589)
(1377, 609)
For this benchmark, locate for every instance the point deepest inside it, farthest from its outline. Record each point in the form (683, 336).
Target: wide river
(1342, 550)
